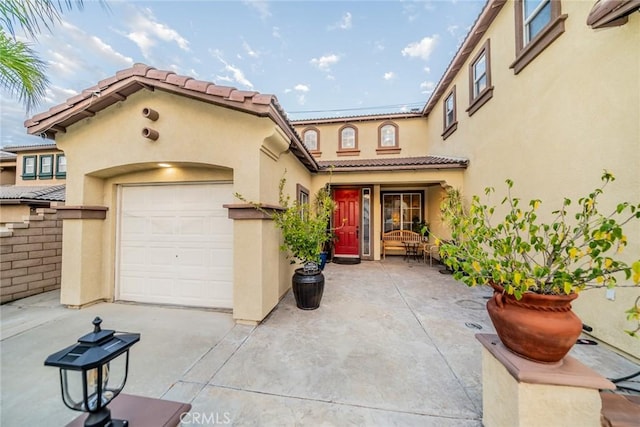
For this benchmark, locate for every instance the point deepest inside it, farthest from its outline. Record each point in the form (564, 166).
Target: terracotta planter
(541, 328)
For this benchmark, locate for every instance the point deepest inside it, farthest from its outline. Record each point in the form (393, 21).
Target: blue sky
(320, 58)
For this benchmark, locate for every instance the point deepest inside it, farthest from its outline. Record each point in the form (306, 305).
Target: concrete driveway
(391, 344)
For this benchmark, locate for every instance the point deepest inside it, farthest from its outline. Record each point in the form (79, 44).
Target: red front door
(346, 221)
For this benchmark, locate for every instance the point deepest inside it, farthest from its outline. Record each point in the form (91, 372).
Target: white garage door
(176, 245)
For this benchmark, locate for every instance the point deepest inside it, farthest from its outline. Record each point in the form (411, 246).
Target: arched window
(348, 138)
(388, 137)
(311, 137)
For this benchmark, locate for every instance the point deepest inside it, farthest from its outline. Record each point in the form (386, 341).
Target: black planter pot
(307, 288)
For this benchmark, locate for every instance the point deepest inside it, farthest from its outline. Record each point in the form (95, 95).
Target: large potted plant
(304, 230)
(538, 267)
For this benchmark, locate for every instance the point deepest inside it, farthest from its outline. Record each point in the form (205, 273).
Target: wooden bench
(395, 240)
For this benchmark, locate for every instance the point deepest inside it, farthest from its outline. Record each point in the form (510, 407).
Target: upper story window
(311, 139)
(388, 138)
(61, 166)
(538, 24)
(480, 89)
(450, 117)
(347, 138)
(46, 167)
(348, 145)
(29, 164)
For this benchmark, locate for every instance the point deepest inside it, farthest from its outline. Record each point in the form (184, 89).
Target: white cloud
(236, 74)
(275, 32)
(83, 42)
(147, 32)
(302, 99)
(389, 75)
(345, 23)
(379, 46)
(324, 63)
(453, 29)
(421, 49)
(261, 6)
(301, 88)
(427, 69)
(252, 53)
(427, 87)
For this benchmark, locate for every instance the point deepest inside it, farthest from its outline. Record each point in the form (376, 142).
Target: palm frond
(22, 73)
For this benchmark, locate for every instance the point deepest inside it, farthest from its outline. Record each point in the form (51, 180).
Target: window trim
(487, 93)
(34, 174)
(317, 131)
(300, 191)
(348, 151)
(392, 149)
(41, 174)
(527, 53)
(58, 173)
(448, 130)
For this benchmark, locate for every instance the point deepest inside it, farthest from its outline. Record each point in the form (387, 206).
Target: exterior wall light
(93, 372)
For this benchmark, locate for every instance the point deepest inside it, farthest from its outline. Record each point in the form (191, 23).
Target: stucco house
(155, 158)
(31, 177)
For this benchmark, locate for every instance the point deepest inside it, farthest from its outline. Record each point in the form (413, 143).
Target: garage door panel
(176, 245)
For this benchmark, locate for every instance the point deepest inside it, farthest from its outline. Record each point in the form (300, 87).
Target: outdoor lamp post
(93, 372)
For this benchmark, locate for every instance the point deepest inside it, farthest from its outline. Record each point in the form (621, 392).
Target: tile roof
(126, 82)
(52, 193)
(395, 163)
(5, 155)
(32, 147)
(357, 118)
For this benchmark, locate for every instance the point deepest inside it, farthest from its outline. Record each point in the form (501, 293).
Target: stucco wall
(13, 213)
(202, 143)
(37, 181)
(411, 137)
(553, 128)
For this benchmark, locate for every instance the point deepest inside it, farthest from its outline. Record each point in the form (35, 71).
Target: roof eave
(474, 36)
(387, 168)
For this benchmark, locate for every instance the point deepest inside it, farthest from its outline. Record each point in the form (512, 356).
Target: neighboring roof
(396, 163)
(37, 147)
(611, 13)
(7, 157)
(14, 194)
(474, 36)
(126, 82)
(360, 118)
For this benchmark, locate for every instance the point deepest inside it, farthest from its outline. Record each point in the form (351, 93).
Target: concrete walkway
(392, 344)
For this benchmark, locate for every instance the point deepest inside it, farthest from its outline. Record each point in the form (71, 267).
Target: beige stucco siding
(411, 138)
(202, 143)
(553, 128)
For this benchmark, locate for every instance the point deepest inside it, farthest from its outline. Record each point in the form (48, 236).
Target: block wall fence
(31, 256)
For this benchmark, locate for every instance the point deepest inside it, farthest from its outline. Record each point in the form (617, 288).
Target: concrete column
(521, 393)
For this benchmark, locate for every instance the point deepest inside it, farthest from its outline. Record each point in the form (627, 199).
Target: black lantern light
(93, 372)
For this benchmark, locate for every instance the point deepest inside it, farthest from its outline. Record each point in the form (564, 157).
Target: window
(61, 166)
(480, 89)
(388, 142)
(347, 138)
(303, 198)
(450, 120)
(348, 145)
(46, 167)
(29, 164)
(538, 24)
(401, 210)
(311, 137)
